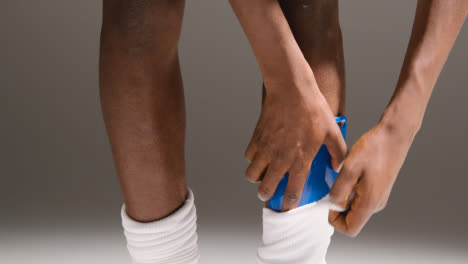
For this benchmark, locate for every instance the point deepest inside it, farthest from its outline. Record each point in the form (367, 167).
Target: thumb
(341, 192)
(336, 146)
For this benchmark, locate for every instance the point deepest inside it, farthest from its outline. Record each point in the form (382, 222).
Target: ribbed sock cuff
(171, 240)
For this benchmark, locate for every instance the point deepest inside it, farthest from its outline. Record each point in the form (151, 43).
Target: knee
(321, 8)
(143, 25)
(321, 17)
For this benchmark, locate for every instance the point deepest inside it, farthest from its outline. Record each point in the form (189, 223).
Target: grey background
(59, 196)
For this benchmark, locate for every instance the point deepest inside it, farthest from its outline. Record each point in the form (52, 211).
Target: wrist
(401, 121)
(405, 112)
(402, 128)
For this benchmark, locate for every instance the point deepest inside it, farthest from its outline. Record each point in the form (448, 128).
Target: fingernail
(249, 180)
(262, 197)
(340, 166)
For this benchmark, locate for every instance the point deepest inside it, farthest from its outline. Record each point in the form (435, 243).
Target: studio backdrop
(59, 195)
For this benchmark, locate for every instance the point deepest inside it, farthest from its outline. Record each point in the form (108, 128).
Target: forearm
(278, 55)
(435, 29)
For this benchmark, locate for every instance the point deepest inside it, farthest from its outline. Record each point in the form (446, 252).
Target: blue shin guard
(319, 180)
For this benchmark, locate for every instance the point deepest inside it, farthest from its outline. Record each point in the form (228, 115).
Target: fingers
(336, 146)
(271, 161)
(297, 178)
(273, 176)
(251, 150)
(352, 221)
(257, 168)
(383, 204)
(363, 205)
(340, 194)
(253, 146)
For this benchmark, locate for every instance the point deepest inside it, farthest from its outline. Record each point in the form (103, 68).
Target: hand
(293, 124)
(368, 174)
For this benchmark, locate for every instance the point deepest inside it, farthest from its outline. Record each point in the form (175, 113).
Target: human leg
(143, 103)
(302, 235)
(144, 111)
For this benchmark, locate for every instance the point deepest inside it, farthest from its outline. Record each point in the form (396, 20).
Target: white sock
(299, 236)
(171, 240)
